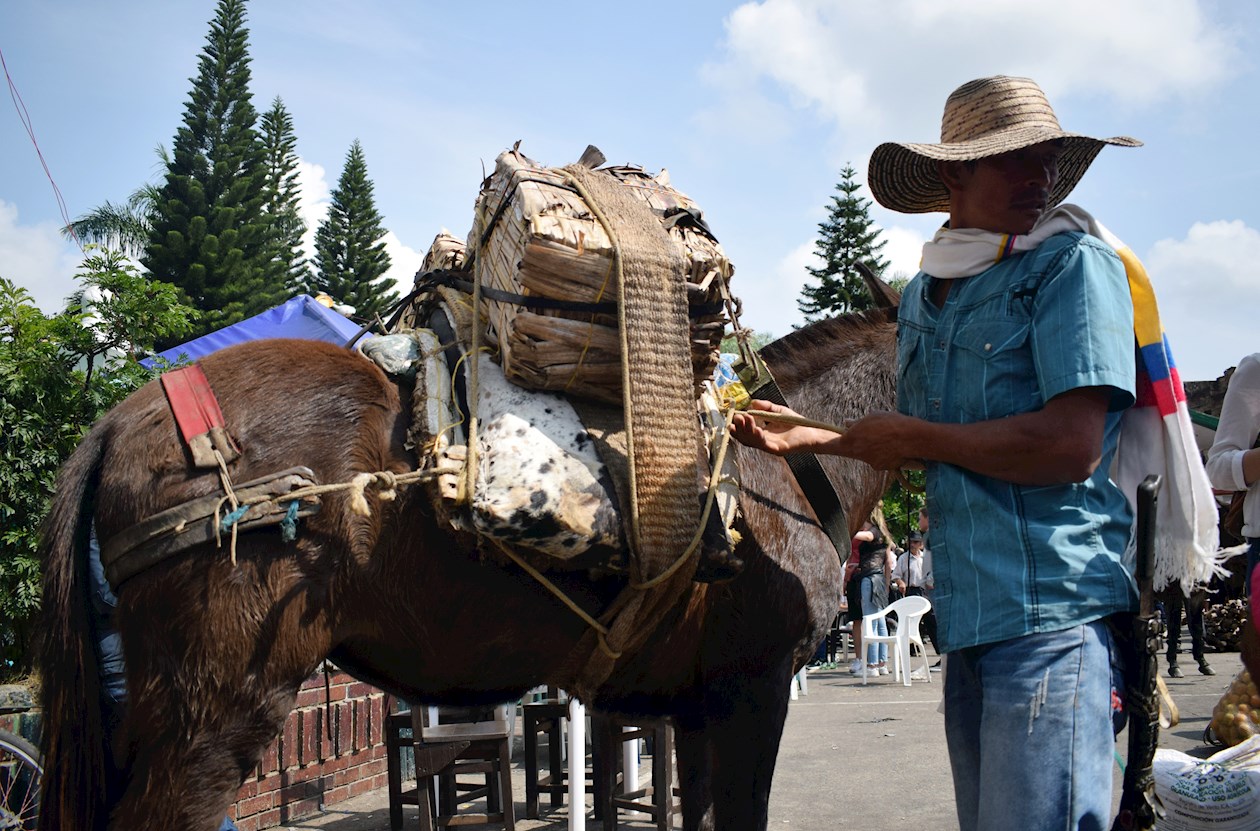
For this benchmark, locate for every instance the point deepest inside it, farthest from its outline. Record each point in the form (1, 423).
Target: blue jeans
(875, 653)
(1029, 730)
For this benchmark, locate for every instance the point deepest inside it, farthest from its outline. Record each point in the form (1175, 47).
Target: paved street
(853, 756)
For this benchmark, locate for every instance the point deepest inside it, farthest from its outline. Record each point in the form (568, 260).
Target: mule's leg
(185, 769)
(215, 655)
(745, 726)
(694, 772)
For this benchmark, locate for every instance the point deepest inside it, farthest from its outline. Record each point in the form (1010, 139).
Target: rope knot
(383, 481)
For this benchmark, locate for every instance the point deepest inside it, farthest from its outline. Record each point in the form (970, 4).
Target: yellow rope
(226, 478)
(600, 629)
(386, 481)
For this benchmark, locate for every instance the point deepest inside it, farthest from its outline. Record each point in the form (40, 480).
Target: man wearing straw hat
(1016, 360)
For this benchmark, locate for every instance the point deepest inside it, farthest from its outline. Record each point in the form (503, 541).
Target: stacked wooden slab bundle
(533, 234)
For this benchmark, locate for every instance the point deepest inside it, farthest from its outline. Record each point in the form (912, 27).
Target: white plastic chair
(910, 610)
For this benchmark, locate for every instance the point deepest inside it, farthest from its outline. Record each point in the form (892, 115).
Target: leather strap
(197, 413)
(813, 480)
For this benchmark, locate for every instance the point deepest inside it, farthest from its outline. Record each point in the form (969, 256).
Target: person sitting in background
(912, 575)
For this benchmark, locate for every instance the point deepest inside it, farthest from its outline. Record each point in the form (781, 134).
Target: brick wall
(303, 769)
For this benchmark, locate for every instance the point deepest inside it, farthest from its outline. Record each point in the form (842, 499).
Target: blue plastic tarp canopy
(302, 317)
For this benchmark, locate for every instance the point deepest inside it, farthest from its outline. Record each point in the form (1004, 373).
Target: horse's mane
(818, 345)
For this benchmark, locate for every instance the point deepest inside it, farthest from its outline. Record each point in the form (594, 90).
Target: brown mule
(215, 652)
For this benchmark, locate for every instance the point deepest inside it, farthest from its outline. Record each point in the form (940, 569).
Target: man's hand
(879, 439)
(774, 436)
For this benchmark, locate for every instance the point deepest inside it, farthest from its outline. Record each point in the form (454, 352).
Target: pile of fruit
(1236, 716)
(1223, 624)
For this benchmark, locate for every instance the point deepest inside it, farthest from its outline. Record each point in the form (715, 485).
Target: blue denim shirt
(1013, 559)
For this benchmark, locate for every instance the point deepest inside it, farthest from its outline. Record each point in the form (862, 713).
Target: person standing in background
(1233, 464)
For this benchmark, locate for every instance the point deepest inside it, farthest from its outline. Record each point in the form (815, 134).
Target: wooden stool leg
(425, 796)
(393, 765)
(606, 771)
(505, 785)
(530, 729)
(555, 759)
(662, 776)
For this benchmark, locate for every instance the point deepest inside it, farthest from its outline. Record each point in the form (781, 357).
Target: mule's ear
(886, 297)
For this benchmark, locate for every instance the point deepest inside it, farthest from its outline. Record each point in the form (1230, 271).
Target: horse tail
(74, 782)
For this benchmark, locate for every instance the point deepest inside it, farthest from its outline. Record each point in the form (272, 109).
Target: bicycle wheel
(20, 772)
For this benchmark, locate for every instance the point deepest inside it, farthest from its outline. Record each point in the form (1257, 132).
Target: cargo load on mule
(587, 305)
(564, 357)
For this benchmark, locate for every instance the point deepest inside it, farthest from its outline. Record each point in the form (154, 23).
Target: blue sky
(753, 107)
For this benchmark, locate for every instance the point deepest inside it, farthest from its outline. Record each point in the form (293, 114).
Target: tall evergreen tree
(210, 235)
(350, 257)
(847, 235)
(283, 194)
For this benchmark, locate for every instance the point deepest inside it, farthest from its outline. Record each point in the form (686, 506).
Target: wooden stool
(452, 741)
(398, 723)
(655, 800)
(545, 717)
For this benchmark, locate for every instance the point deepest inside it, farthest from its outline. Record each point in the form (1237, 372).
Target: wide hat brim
(904, 178)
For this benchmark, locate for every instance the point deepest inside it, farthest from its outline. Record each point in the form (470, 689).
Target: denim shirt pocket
(912, 378)
(993, 374)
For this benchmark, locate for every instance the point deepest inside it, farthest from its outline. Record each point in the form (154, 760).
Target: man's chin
(1026, 217)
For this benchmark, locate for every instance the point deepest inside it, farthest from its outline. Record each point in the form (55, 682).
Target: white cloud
(404, 263)
(862, 66)
(36, 258)
(313, 202)
(1207, 283)
(903, 250)
(769, 301)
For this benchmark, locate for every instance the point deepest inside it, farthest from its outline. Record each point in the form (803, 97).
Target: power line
(25, 118)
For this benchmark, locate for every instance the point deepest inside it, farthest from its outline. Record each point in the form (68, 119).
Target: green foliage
(57, 375)
(350, 257)
(210, 234)
(847, 235)
(283, 196)
(901, 505)
(756, 340)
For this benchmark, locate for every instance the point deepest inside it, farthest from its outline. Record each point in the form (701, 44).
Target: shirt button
(987, 347)
(940, 344)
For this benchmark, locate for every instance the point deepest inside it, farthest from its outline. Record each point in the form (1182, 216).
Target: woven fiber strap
(659, 398)
(659, 407)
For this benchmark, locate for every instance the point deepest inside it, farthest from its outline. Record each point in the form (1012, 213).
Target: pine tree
(846, 236)
(283, 194)
(350, 257)
(210, 236)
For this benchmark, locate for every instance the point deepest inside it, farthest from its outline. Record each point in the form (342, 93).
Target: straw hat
(983, 118)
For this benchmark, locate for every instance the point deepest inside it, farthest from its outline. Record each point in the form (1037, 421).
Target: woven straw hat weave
(985, 117)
